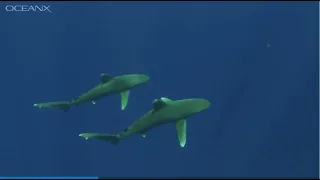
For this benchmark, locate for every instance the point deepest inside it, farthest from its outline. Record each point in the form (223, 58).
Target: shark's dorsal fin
(181, 127)
(157, 104)
(160, 103)
(166, 100)
(105, 78)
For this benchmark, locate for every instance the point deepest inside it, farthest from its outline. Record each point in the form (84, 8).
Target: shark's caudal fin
(124, 99)
(113, 139)
(62, 105)
(181, 127)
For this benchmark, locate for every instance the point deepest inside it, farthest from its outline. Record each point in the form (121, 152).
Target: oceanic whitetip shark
(164, 111)
(108, 86)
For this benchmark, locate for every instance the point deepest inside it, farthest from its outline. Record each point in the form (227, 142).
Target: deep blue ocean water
(256, 62)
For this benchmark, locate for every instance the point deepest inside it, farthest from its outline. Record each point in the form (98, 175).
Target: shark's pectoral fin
(181, 127)
(124, 99)
(94, 102)
(105, 78)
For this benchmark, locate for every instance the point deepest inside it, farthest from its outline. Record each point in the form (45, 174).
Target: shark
(164, 111)
(108, 86)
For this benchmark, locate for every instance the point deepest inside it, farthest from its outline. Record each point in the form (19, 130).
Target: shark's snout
(138, 78)
(201, 104)
(194, 105)
(142, 78)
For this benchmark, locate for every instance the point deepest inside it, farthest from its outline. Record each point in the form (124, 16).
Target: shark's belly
(148, 124)
(92, 96)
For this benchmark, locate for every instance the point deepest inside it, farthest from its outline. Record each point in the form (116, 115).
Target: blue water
(256, 62)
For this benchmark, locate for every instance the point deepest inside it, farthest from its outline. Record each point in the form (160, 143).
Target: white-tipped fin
(94, 102)
(181, 127)
(124, 99)
(166, 100)
(160, 103)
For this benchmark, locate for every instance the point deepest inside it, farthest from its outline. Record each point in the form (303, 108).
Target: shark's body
(108, 86)
(164, 111)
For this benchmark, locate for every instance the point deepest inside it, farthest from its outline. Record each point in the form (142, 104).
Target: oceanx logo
(28, 8)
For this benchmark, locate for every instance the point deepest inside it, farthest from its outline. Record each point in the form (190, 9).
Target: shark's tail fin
(113, 139)
(62, 105)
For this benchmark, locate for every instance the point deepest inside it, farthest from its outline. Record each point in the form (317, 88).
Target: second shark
(164, 111)
(108, 86)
